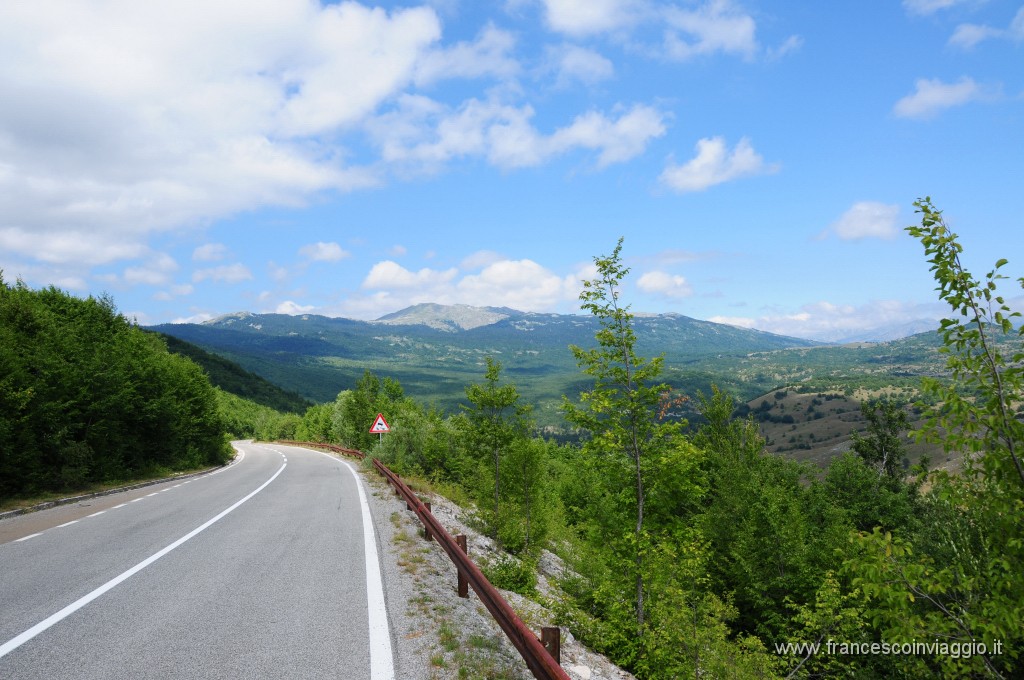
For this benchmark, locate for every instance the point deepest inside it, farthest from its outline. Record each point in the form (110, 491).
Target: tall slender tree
(621, 411)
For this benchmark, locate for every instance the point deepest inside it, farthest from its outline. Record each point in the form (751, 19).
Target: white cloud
(232, 273)
(155, 272)
(866, 219)
(174, 292)
(716, 26)
(210, 252)
(190, 125)
(667, 285)
(931, 6)
(480, 259)
(967, 36)
(198, 317)
(489, 55)
(389, 275)
(293, 308)
(324, 252)
(741, 321)
(588, 17)
(519, 284)
(714, 164)
(426, 134)
(829, 321)
(617, 141)
(933, 96)
(573, 63)
(76, 247)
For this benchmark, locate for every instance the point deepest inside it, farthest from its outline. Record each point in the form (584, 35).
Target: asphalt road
(264, 569)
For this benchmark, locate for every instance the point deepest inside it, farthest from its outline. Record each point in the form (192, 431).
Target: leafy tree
(356, 409)
(496, 420)
(620, 411)
(883, 446)
(958, 581)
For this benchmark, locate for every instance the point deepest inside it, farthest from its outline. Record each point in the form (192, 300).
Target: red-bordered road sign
(380, 426)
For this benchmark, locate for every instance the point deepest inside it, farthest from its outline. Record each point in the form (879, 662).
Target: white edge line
(25, 538)
(35, 630)
(382, 665)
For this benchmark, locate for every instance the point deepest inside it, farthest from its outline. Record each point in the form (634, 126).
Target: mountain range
(435, 350)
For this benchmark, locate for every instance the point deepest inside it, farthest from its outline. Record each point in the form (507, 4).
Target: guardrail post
(426, 529)
(551, 638)
(460, 540)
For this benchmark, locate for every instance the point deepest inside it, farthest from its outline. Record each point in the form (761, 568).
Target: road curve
(264, 569)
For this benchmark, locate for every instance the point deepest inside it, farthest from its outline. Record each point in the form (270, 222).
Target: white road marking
(25, 538)
(35, 630)
(66, 524)
(382, 665)
(119, 506)
(95, 513)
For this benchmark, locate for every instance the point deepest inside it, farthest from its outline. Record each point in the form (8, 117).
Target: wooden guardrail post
(551, 638)
(460, 540)
(426, 529)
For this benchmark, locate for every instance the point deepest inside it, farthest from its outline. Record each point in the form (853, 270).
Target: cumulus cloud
(196, 111)
(967, 36)
(210, 252)
(519, 284)
(156, 271)
(924, 7)
(488, 56)
(591, 17)
(573, 63)
(660, 283)
(715, 164)
(931, 96)
(232, 273)
(866, 219)
(389, 275)
(829, 322)
(740, 321)
(324, 252)
(496, 282)
(174, 292)
(716, 26)
(293, 308)
(424, 133)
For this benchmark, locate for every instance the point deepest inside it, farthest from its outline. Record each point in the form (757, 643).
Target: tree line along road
(265, 569)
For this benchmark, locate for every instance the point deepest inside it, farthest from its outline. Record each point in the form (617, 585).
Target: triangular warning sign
(379, 425)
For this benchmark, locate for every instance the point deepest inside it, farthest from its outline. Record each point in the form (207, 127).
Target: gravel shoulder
(436, 633)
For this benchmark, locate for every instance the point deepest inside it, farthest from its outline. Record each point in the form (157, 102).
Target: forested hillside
(85, 396)
(232, 378)
(319, 356)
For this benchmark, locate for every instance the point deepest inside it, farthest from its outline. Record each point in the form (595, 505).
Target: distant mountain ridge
(448, 317)
(435, 350)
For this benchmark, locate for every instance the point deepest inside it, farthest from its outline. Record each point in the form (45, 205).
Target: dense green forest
(87, 397)
(232, 378)
(696, 553)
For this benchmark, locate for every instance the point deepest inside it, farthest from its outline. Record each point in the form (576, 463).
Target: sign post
(380, 426)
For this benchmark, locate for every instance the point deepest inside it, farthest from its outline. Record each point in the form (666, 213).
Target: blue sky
(760, 158)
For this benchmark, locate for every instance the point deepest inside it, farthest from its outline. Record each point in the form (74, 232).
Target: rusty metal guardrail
(330, 447)
(540, 662)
